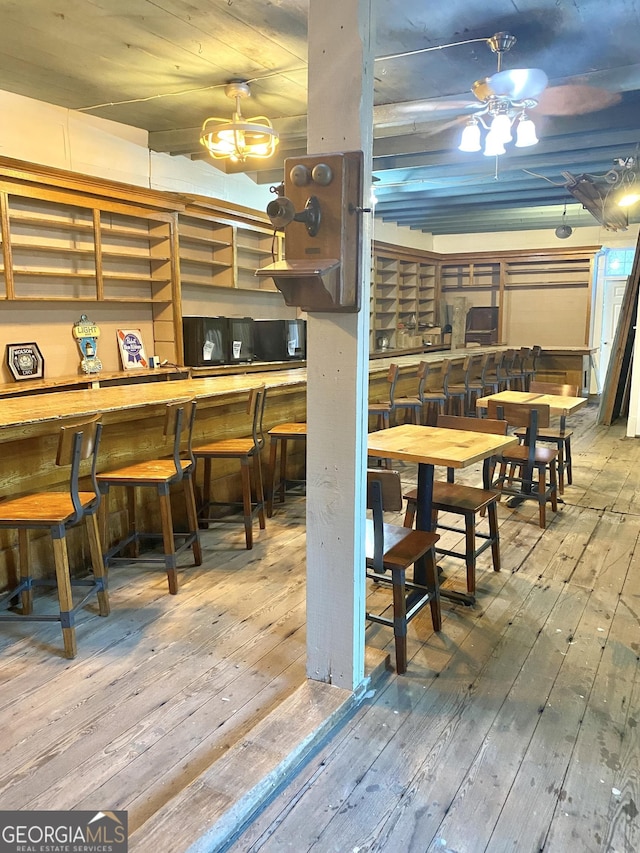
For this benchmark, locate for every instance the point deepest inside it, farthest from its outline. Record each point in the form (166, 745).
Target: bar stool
(279, 436)
(159, 474)
(530, 366)
(245, 450)
(57, 512)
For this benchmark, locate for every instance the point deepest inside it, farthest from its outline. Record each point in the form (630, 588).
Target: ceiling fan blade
(388, 115)
(575, 99)
(518, 83)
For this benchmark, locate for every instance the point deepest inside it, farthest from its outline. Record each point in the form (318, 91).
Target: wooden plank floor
(515, 728)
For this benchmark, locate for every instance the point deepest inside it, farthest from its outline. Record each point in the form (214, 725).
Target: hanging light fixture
(563, 230)
(241, 137)
(505, 98)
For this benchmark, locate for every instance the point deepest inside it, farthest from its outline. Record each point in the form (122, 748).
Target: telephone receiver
(281, 212)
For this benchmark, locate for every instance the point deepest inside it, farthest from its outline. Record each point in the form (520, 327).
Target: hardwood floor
(515, 728)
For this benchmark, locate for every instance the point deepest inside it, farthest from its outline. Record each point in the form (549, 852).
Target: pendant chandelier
(506, 96)
(240, 138)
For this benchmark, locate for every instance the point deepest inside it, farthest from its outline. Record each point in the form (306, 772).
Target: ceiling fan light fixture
(470, 140)
(629, 198)
(241, 137)
(525, 132)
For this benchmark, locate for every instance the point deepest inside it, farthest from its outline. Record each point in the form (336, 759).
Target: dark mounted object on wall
(598, 198)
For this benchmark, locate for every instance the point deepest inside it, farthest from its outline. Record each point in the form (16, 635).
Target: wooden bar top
(22, 411)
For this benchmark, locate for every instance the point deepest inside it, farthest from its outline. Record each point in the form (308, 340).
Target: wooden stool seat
(158, 474)
(393, 549)
(279, 436)
(246, 450)
(60, 511)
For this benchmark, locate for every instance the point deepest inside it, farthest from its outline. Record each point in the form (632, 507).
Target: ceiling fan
(511, 93)
(507, 97)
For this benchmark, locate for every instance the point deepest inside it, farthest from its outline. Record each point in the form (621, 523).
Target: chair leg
(63, 580)
(561, 466)
(554, 486)
(567, 459)
(168, 540)
(192, 516)
(410, 514)
(97, 563)
(132, 515)
(492, 515)
(470, 537)
(206, 493)
(433, 585)
(542, 496)
(25, 570)
(398, 577)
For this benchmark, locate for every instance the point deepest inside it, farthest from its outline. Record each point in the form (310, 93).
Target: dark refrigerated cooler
(279, 340)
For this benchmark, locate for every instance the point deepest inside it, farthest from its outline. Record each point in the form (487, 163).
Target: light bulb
(501, 128)
(628, 199)
(525, 133)
(470, 140)
(493, 145)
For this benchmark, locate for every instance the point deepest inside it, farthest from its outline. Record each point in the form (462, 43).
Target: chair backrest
(255, 410)
(178, 425)
(384, 492)
(78, 442)
(553, 388)
(535, 355)
(451, 364)
(491, 364)
(392, 379)
(519, 414)
(521, 358)
(486, 425)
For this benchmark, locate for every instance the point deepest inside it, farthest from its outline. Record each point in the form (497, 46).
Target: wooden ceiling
(162, 65)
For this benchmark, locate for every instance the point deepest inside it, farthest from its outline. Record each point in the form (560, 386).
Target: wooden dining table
(430, 446)
(558, 404)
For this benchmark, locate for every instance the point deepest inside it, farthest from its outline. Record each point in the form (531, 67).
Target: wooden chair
(530, 366)
(383, 409)
(431, 394)
(561, 437)
(527, 458)
(57, 512)
(391, 548)
(473, 386)
(279, 437)
(491, 377)
(467, 501)
(412, 405)
(505, 370)
(456, 393)
(159, 474)
(247, 450)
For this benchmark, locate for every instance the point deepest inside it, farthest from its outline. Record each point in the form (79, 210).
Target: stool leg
(63, 580)
(246, 502)
(492, 514)
(283, 470)
(470, 536)
(400, 618)
(167, 537)
(25, 570)
(192, 515)
(542, 500)
(257, 476)
(271, 486)
(97, 563)
(567, 459)
(132, 515)
(206, 493)
(433, 585)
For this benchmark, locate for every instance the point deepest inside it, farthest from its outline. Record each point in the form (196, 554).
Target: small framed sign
(25, 361)
(132, 349)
